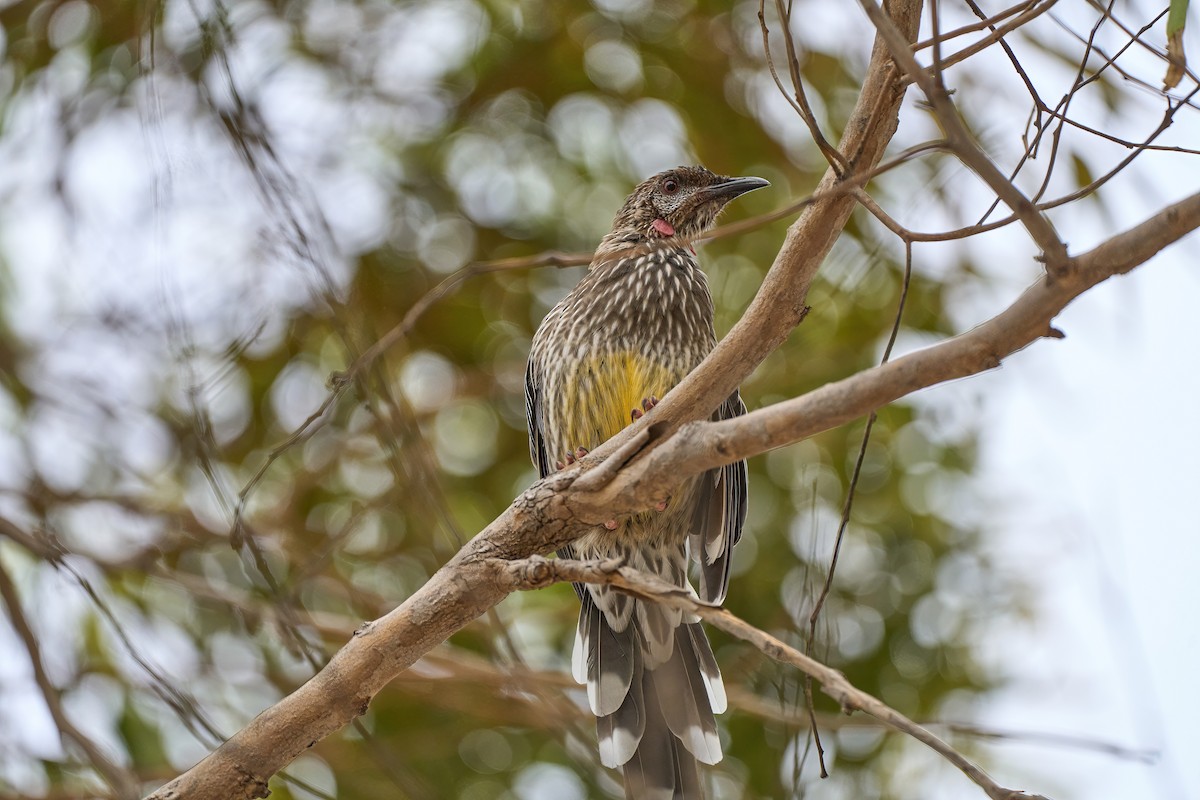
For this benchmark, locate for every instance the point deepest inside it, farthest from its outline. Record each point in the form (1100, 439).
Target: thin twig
(837, 162)
(997, 34)
(1054, 252)
(985, 22)
(819, 605)
(123, 783)
(537, 572)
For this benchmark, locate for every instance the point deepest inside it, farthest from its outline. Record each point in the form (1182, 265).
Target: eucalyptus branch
(560, 508)
(647, 460)
(699, 446)
(537, 572)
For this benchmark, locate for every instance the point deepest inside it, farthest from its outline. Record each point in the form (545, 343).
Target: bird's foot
(571, 457)
(647, 404)
(577, 455)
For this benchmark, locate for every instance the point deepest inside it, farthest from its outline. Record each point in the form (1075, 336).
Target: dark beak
(730, 188)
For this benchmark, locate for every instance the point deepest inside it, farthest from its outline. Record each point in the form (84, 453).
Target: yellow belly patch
(601, 391)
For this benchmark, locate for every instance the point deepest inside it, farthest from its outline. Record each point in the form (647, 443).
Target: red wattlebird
(637, 323)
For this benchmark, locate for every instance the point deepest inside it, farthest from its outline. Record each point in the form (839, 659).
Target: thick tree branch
(552, 512)
(699, 446)
(779, 306)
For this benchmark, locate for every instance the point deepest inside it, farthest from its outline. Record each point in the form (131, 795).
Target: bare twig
(536, 572)
(819, 605)
(837, 162)
(1054, 252)
(751, 703)
(1161, 54)
(997, 34)
(984, 22)
(123, 783)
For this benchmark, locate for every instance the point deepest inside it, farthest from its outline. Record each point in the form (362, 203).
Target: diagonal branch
(779, 306)
(699, 446)
(552, 512)
(537, 572)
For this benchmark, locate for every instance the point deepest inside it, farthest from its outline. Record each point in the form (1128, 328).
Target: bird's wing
(535, 418)
(719, 516)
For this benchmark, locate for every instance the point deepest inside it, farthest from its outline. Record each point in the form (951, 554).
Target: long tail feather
(657, 722)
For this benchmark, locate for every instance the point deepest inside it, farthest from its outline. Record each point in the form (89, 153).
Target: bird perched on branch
(637, 323)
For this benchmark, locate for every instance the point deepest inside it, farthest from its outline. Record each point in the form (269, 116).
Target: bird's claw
(647, 404)
(572, 457)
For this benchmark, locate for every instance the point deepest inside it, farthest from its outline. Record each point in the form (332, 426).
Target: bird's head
(680, 203)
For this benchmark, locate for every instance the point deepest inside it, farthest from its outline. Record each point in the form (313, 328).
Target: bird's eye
(670, 186)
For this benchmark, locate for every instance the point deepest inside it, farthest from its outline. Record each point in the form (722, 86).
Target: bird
(639, 320)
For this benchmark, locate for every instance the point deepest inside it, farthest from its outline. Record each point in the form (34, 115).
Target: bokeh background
(207, 208)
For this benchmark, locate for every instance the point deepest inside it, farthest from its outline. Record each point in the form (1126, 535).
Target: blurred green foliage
(360, 153)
